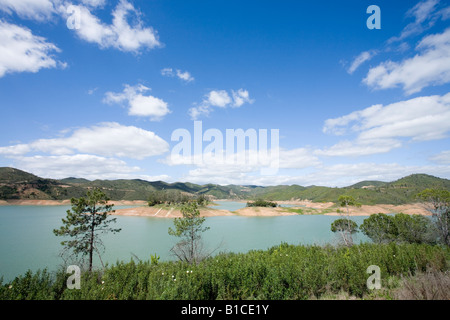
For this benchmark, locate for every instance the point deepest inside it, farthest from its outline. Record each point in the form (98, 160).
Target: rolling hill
(18, 184)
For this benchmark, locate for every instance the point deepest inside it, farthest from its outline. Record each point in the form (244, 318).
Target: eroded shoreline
(300, 207)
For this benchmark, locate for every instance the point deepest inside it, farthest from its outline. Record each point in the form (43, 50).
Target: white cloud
(442, 158)
(185, 76)
(21, 51)
(94, 3)
(359, 148)
(338, 175)
(139, 104)
(347, 174)
(29, 9)
(120, 34)
(240, 97)
(379, 128)
(167, 72)
(424, 16)
(106, 139)
(360, 59)
(82, 165)
(430, 67)
(218, 98)
(221, 99)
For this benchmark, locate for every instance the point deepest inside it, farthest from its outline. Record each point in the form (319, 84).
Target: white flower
(103, 282)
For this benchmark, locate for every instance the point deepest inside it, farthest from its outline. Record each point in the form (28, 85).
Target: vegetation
(346, 228)
(438, 202)
(262, 203)
(28, 186)
(88, 217)
(400, 228)
(189, 228)
(281, 272)
(175, 197)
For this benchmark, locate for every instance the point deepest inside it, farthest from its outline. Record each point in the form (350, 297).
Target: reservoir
(27, 240)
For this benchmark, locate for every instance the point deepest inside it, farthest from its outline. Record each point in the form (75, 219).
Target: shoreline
(301, 207)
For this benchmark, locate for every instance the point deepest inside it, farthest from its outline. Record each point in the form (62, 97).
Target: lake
(27, 240)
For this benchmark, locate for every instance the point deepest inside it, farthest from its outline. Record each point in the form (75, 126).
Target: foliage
(262, 203)
(400, 228)
(189, 229)
(400, 191)
(346, 227)
(175, 197)
(340, 225)
(438, 202)
(282, 272)
(87, 218)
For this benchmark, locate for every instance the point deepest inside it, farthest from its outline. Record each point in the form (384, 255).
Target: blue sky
(95, 88)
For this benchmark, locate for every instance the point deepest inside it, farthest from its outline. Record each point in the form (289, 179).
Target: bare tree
(345, 226)
(189, 228)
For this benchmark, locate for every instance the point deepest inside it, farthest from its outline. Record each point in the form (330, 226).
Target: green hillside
(367, 184)
(18, 184)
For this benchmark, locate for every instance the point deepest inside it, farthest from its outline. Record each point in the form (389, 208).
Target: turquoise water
(27, 240)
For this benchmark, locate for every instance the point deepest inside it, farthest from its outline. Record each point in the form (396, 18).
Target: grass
(282, 272)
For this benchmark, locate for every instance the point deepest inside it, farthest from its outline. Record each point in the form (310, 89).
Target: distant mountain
(12, 175)
(18, 184)
(420, 181)
(367, 184)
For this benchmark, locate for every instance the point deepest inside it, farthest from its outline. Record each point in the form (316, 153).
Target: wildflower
(103, 282)
(174, 279)
(10, 287)
(162, 273)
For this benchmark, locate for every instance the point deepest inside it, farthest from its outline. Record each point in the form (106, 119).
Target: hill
(18, 184)
(367, 184)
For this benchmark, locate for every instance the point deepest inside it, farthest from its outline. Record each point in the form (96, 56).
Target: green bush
(281, 272)
(262, 203)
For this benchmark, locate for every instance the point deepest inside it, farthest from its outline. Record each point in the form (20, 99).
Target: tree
(345, 226)
(413, 228)
(437, 202)
(189, 228)
(401, 228)
(88, 218)
(380, 228)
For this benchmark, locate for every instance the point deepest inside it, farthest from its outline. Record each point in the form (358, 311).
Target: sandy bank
(415, 208)
(263, 212)
(327, 208)
(146, 211)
